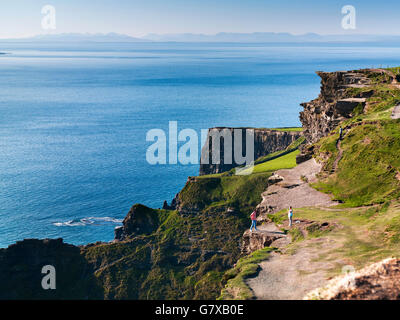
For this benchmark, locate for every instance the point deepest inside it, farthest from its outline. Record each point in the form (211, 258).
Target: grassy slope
(287, 161)
(364, 234)
(367, 172)
(188, 255)
(284, 159)
(290, 129)
(366, 180)
(368, 221)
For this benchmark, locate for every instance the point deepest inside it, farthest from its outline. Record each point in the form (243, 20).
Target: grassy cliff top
(366, 164)
(362, 171)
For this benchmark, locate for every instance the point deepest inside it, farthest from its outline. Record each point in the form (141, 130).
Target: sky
(22, 18)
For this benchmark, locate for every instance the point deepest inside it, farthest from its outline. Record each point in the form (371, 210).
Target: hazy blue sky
(19, 18)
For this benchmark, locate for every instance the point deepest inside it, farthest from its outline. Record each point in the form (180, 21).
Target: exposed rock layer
(253, 241)
(333, 105)
(379, 281)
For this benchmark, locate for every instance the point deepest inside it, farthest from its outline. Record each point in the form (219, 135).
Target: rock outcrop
(266, 141)
(21, 271)
(379, 281)
(253, 241)
(333, 104)
(139, 220)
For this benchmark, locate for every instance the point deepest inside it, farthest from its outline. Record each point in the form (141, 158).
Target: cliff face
(266, 141)
(21, 271)
(333, 105)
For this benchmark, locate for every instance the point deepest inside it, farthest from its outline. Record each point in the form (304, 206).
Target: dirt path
(294, 190)
(339, 156)
(290, 275)
(396, 112)
(272, 229)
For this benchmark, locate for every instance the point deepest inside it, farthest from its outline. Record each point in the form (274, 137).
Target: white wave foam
(96, 221)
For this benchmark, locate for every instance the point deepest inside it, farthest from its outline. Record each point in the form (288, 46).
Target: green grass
(296, 234)
(289, 129)
(364, 235)
(367, 172)
(275, 156)
(236, 287)
(292, 147)
(395, 70)
(234, 191)
(287, 161)
(367, 224)
(188, 254)
(380, 104)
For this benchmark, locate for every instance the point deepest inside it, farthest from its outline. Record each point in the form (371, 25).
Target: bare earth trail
(339, 156)
(294, 190)
(290, 275)
(396, 112)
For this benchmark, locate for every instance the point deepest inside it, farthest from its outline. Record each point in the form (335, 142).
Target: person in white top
(290, 216)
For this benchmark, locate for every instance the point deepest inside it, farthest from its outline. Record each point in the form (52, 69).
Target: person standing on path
(253, 218)
(290, 216)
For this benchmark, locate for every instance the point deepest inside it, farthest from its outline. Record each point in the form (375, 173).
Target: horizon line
(143, 37)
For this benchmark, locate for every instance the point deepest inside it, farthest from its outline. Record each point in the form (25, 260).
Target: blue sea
(74, 118)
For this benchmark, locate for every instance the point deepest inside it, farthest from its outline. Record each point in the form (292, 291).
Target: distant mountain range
(269, 37)
(78, 37)
(259, 37)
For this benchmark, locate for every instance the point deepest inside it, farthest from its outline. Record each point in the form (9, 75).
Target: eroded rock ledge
(333, 104)
(379, 281)
(253, 241)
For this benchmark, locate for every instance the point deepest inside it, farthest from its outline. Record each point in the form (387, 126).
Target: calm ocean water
(73, 120)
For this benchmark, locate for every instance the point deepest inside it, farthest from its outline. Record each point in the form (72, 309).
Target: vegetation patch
(247, 267)
(289, 129)
(366, 174)
(286, 161)
(362, 236)
(188, 254)
(296, 234)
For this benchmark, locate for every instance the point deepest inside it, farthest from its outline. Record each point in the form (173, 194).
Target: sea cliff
(266, 141)
(197, 247)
